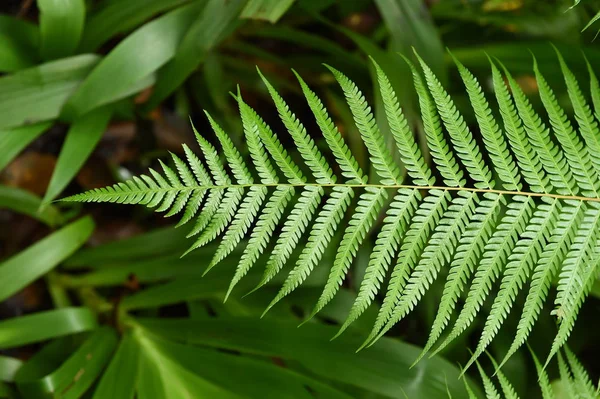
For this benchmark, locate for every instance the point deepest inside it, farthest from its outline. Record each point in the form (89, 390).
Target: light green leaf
(61, 26)
(269, 10)
(13, 141)
(42, 326)
(30, 264)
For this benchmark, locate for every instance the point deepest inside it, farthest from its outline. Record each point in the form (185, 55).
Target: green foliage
(484, 229)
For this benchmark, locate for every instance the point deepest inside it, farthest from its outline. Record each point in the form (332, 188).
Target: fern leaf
(566, 378)
(468, 252)
(259, 238)
(495, 254)
(490, 390)
(233, 156)
(341, 152)
(306, 146)
(594, 88)
(520, 263)
(293, 228)
(527, 159)
(444, 158)
(261, 161)
(320, 235)
(545, 270)
(581, 378)
(492, 135)
(578, 273)
(507, 389)
(397, 219)
(382, 160)
(367, 210)
(438, 252)
(543, 380)
(462, 139)
(409, 150)
(242, 220)
(588, 125)
(551, 156)
(426, 218)
(213, 202)
(576, 153)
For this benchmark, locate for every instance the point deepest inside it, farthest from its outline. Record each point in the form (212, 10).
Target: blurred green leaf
(8, 368)
(216, 20)
(410, 25)
(46, 376)
(254, 378)
(42, 326)
(32, 263)
(383, 368)
(18, 44)
(13, 141)
(114, 17)
(159, 242)
(162, 377)
(594, 19)
(37, 94)
(118, 380)
(134, 60)
(82, 137)
(22, 201)
(269, 10)
(61, 26)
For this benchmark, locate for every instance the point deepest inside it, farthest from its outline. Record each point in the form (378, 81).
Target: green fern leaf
(468, 252)
(461, 137)
(527, 159)
(576, 153)
(543, 380)
(551, 156)
(490, 390)
(440, 151)
(492, 135)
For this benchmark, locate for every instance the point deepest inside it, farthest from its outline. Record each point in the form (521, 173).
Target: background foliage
(93, 92)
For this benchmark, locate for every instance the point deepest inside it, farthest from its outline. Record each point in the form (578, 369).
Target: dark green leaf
(47, 376)
(22, 201)
(116, 16)
(82, 137)
(383, 368)
(18, 44)
(214, 23)
(118, 380)
(129, 65)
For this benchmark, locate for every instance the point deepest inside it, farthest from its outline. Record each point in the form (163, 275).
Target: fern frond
(382, 160)
(507, 389)
(527, 159)
(583, 383)
(398, 217)
(516, 272)
(551, 157)
(409, 150)
(543, 380)
(490, 389)
(492, 135)
(588, 125)
(545, 270)
(594, 88)
(468, 252)
(483, 234)
(461, 137)
(322, 232)
(576, 153)
(495, 253)
(367, 210)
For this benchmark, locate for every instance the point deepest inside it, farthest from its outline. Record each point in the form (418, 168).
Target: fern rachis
(484, 229)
